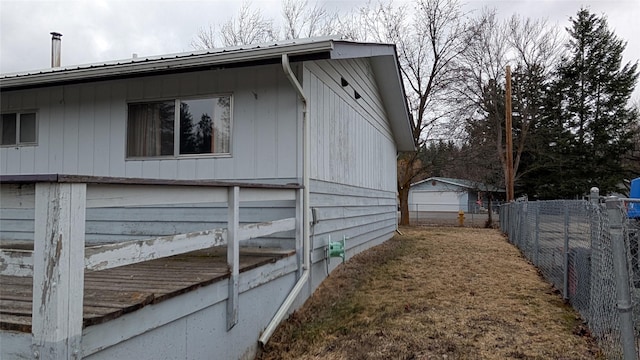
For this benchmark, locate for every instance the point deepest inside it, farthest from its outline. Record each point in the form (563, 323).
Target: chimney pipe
(55, 49)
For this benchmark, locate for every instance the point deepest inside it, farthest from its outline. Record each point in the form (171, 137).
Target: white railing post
(299, 229)
(233, 255)
(58, 270)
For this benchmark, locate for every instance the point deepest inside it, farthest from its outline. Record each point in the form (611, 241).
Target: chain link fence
(446, 214)
(573, 244)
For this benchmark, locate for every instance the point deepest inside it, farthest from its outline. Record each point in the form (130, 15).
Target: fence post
(565, 283)
(594, 196)
(524, 230)
(512, 221)
(516, 223)
(507, 219)
(504, 216)
(596, 250)
(536, 244)
(623, 295)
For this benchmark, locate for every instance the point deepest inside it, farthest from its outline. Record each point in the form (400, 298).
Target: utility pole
(509, 131)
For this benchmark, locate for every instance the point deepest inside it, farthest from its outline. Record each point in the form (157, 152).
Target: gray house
(439, 194)
(136, 177)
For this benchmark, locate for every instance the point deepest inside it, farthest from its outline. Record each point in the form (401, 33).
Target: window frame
(176, 128)
(19, 114)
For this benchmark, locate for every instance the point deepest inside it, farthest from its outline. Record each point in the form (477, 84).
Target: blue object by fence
(634, 208)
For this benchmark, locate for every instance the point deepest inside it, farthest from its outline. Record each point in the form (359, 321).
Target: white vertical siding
(82, 128)
(352, 142)
(56, 129)
(86, 130)
(70, 129)
(117, 133)
(101, 130)
(353, 166)
(42, 150)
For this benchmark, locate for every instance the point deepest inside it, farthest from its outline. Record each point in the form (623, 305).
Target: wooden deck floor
(114, 292)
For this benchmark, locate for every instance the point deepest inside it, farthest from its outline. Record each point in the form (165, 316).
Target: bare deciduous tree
(533, 48)
(303, 20)
(480, 92)
(379, 22)
(537, 49)
(249, 26)
(430, 36)
(205, 38)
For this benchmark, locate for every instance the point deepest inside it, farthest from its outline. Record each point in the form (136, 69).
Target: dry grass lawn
(435, 293)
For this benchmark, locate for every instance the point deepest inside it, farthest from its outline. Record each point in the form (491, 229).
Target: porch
(114, 292)
(41, 296)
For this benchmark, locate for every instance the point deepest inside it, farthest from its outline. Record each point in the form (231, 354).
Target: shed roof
(468, 184)
(384, 61)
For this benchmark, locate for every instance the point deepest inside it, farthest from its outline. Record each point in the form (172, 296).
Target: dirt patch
(435, 293)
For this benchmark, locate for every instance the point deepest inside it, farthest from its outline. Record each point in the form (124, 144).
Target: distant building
(450, 195)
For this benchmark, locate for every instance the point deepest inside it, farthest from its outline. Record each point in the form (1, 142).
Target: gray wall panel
(365, 216)
(82, 128)
(351, 138)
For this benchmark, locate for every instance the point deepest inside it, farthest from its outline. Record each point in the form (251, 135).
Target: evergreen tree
(205, 130)
(546, 172)
(588, 123)
(188, 136)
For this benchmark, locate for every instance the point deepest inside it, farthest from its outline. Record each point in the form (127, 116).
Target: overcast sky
(102, 30)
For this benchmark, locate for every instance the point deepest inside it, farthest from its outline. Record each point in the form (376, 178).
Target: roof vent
(55, 49)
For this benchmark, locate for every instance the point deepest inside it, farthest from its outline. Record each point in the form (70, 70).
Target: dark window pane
(28, 128)
(196, 126)
(150, 129)
(205, 125)
(8, 129)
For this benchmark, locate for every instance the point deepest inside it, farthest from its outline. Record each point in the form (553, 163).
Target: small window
(203, 127)
(19, 128)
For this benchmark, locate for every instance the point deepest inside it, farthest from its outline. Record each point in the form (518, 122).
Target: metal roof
(193, 60)
(383, 59)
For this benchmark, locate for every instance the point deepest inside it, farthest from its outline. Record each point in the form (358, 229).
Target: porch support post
(233, 255)
(58, 270)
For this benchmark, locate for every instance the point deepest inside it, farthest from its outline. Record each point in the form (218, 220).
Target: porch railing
(59, 256)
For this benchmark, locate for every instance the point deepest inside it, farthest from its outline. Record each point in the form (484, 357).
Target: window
(201, 126)
(18, 129)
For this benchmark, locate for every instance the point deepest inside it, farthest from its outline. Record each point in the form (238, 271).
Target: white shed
(439, 194)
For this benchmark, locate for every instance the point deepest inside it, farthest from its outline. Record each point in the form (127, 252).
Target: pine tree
(188, 140)
(588, 115)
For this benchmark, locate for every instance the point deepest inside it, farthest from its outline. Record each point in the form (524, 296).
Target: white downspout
(306, 244)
